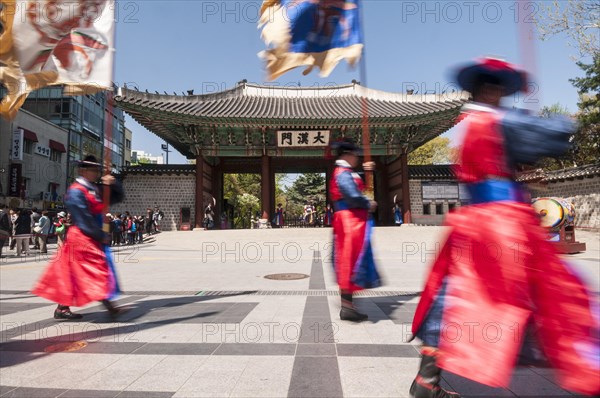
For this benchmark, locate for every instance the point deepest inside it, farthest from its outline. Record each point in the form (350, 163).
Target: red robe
(501, 273)
(80, 272)
(349, 228)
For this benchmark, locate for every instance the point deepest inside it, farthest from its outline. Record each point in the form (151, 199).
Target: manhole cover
(286, 277)
(66, 347)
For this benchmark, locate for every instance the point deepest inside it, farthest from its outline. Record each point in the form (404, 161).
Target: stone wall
(416, 205)
(584, 193)
(169, 192)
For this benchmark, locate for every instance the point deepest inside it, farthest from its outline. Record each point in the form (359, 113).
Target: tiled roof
(256, 102)
(192, 122)
(160, 169)
(431, 171)
(589, 170)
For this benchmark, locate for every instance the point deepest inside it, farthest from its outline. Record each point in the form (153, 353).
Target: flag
(53, 42)
(312, 33)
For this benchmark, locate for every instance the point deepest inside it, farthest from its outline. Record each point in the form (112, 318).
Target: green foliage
(309, 187)
(587, 140)
(553, 163)
(141, 161)
(238, 184)
(436, 151)
(248, 204)
(242, 191)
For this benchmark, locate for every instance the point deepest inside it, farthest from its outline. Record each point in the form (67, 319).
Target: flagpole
(528, 55)
(108, 127)
(366, 138)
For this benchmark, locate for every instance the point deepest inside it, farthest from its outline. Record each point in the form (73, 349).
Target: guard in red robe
(328, 216)
(83, 270)
(352, 225)
(497, 277)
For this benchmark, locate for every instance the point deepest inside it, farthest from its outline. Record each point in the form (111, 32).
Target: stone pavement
(207, 323)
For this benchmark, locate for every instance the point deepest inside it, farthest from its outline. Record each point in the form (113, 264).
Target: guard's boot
(114, 311)
(427, 382)
(64, 312)
(348, 312)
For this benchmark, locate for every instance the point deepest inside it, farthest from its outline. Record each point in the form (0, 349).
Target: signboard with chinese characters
(14, 180)
(440, 190)
(16, 145)
(302, 139)
(42, 150)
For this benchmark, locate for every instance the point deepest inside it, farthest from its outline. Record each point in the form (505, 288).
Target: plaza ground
(207, 323)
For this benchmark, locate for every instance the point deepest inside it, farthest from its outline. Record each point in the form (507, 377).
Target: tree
(436, 151)
(587, 139)
(236, 186)
(247, 205)
(141, 161)
(553, 163)
(307, 187)
(578, 19)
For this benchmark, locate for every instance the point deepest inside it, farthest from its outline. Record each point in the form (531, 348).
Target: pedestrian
(209, 217)
(328, 216)
(397, 212)
(4, 227)
(149, 222)
(131, 230)
(353, 257)
(157, 217)
(23, 231)
(279, 220)
(13, 218)
(83, 270)
(117, 225)
(35, 218)
(502, 275)
(42, 231)
(140, 229)
(60, 227)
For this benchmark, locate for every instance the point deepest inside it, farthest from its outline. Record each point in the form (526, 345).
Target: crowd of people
(127, 229)
(26, 230)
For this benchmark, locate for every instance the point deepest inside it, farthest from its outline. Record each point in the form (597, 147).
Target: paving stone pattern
(234, 344)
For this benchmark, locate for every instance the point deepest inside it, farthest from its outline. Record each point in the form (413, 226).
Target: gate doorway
(303, 200)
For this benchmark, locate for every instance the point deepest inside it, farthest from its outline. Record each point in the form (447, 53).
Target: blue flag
(310, 33)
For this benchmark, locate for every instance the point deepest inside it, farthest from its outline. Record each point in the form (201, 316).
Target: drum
(554, 212)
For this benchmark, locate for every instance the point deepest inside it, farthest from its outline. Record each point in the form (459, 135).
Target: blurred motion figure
(505, 275)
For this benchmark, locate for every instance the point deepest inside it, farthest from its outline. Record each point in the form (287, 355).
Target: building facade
(141, 157)
(86, 118)
(33, 162)
(127, 153)
(266, 130)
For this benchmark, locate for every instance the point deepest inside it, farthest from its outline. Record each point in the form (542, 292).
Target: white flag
(51, 42)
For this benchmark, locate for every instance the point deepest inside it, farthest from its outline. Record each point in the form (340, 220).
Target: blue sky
(210, 45)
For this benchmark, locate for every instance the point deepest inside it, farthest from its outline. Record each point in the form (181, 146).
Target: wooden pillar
(405, 188)
(217, 186)
(265, 186)
(199, 205)
(384, 195)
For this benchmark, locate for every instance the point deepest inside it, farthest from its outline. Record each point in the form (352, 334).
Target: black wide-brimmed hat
(499, 71)
(89, 162)
(346, 145)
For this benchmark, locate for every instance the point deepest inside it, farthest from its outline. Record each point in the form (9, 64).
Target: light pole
(165, 147)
